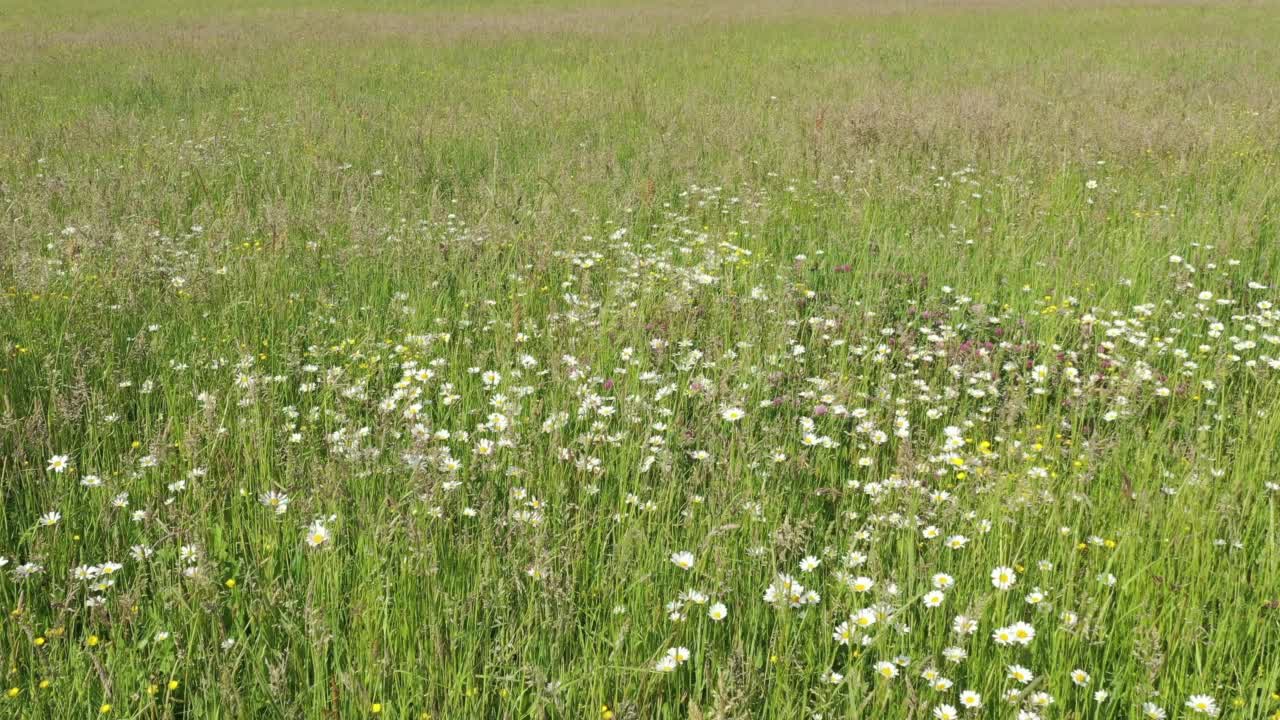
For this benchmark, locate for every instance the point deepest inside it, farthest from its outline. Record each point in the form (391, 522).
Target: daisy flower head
(1020, 674)
(1003, 636)
(1003, 578)
(318, 535)
(864, 618)
(1023, 632)
(1203, 704)
(682, 559)
(1040, 699)
(275, 501)
(964, 625)
(59, 464)
(843, 634)
(945, 712)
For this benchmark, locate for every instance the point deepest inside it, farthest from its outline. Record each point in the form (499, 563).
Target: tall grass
(280, 247)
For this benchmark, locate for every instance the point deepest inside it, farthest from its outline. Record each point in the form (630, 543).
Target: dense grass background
(327, 182)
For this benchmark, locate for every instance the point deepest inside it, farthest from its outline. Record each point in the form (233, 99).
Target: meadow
(632, 361)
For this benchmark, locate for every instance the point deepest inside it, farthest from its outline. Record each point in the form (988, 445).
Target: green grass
(234, 232)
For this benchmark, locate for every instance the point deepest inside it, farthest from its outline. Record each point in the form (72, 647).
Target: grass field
(640, 361)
